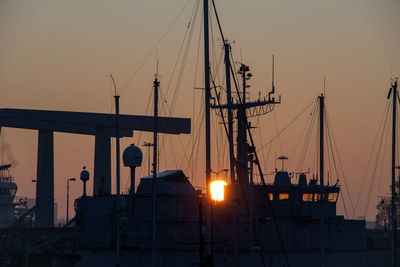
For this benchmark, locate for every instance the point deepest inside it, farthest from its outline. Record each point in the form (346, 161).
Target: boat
(169, 222)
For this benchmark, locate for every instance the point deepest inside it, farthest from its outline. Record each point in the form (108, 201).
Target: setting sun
(217, 190)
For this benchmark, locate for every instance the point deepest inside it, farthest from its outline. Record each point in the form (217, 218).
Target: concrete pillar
(102, 162)
(45, 180)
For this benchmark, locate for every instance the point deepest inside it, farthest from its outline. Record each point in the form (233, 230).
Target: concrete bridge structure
(101, 125)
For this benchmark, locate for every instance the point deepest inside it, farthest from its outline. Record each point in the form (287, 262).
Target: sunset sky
(58, 54)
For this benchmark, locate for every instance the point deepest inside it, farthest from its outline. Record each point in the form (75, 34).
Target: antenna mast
(155, 133)
(207, 92)
(321, 173)
(117, 146)
(229, 109)
(393, 89)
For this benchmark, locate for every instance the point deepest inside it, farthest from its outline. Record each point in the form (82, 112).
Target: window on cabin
(283, 196)
(271, 196)
(332, 197)
(307, 197)
(317, 197)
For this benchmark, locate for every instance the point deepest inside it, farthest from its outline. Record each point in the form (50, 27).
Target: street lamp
(70, 179)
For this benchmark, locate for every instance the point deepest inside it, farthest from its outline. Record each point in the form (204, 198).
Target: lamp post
(70, 179)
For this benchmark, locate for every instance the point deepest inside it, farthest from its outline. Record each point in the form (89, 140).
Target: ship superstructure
(8, 189)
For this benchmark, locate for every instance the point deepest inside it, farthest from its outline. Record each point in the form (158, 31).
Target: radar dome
(132, 156)
(84, 174)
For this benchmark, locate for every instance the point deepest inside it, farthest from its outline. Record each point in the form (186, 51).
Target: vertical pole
(251, 201)
(321, 174)
(132, 189)
(67, 202)
(230, 119)
(148, 162)
(394, 226)
(102, 162)
(45, 180)
(207, 92)
(118, 179)
(242, 154)
(84, 188)
(201, 238)
(321, 139)
(156, 84)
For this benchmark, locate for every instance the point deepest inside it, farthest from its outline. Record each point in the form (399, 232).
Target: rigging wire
(344, 205)
(184, 59)
(308, 137)
(338, 167)
(277, 130)
(194, 138)
(194, 95)
(287, 126)
(140, 132)
(155, 46)
(383, 161)
(188, 38)
(381, 127)
(375, 163)
(340, 164)
(301, 136)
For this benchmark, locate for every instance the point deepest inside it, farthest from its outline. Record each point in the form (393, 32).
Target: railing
(6, 179)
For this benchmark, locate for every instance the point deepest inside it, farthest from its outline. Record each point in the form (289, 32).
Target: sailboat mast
(394, 226)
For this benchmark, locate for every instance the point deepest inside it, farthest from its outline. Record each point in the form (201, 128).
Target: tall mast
(156, 84)
(229, 109)
(207, 91)
(321, 139)
(394, 226)
(321, 174)
(117, 150)
(242, 147)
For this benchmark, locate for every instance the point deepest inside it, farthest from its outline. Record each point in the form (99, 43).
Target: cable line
(154, 47)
